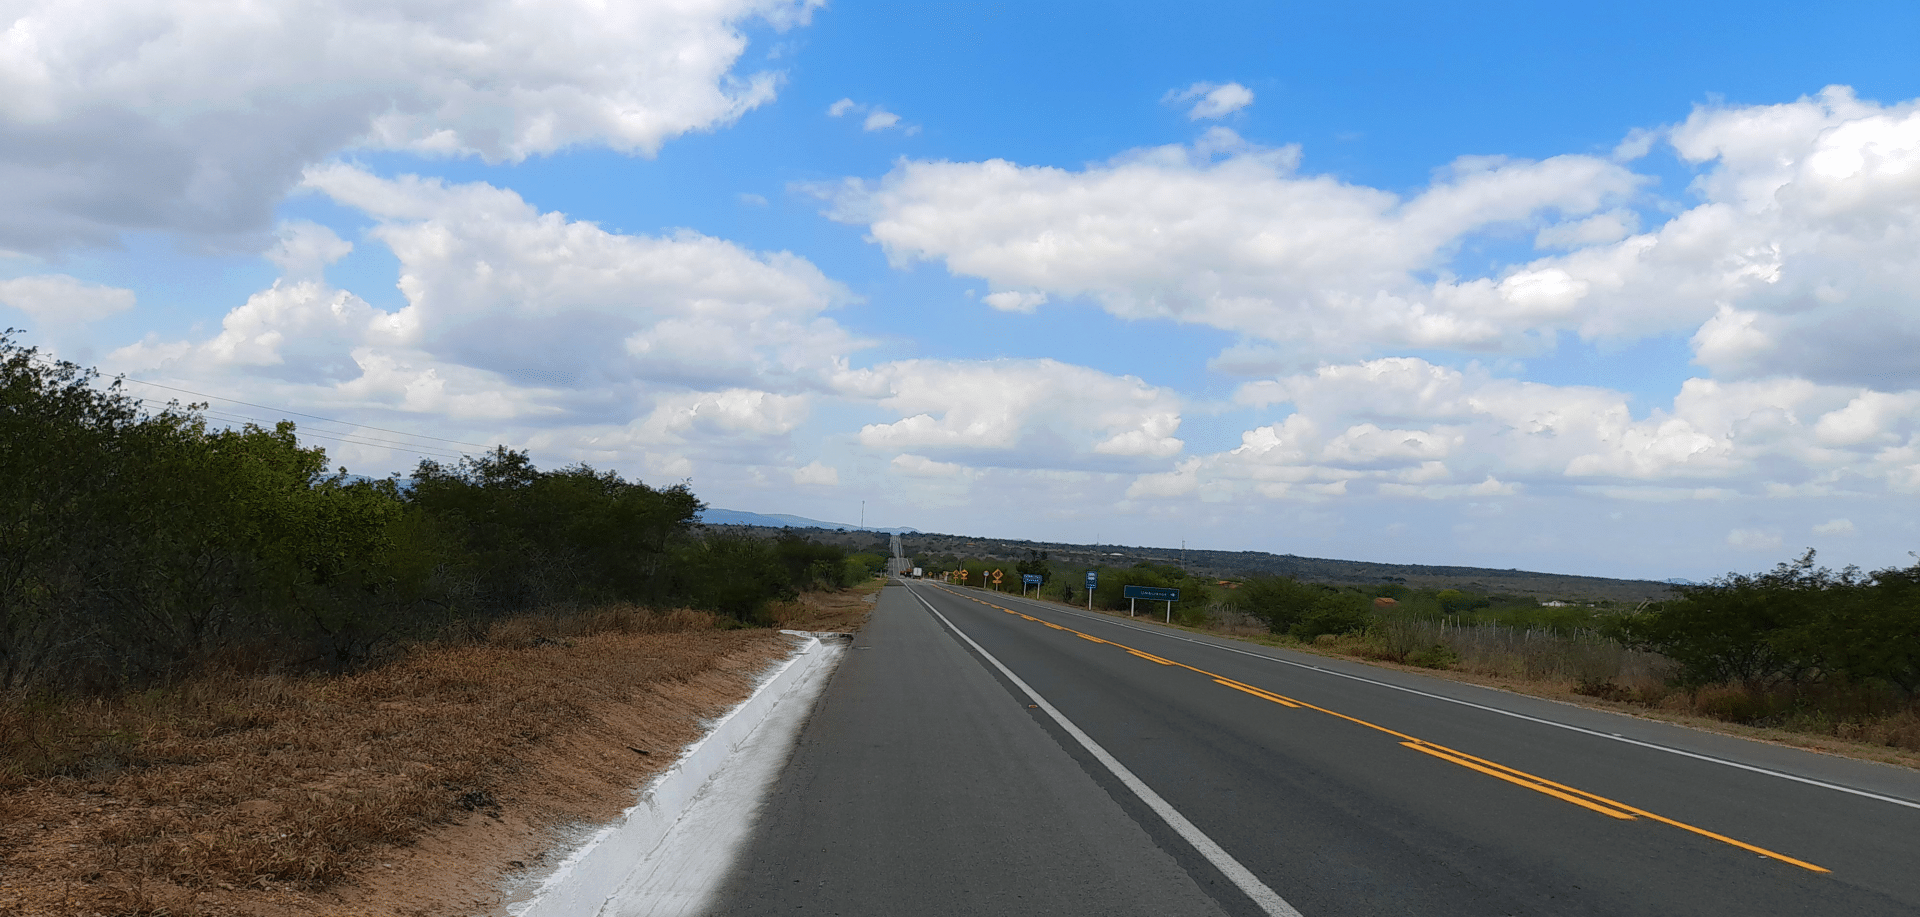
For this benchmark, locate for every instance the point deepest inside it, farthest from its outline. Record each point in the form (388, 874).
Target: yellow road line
(1256, 692)
(1516, 781)
(1582, 798)
(1649, 815)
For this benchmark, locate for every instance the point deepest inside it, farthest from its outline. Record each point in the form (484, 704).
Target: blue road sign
(1152, 592)
(1031, 579)
(1093, 579)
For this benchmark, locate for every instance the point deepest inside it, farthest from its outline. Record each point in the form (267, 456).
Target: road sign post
(1029, 579)
(1093, 579)
(996, 581)
(1153, 594)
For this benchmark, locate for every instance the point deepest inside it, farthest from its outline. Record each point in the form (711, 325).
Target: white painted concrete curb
(592, 874)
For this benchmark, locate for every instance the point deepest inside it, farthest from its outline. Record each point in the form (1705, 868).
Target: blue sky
(1623, 290)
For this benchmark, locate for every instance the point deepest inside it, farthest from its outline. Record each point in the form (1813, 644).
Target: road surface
(978, 754)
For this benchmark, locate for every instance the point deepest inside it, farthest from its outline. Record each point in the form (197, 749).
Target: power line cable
(426, 452)
(266, 407)
(329, 434)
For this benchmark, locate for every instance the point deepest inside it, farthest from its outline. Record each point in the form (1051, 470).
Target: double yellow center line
(1590, 801)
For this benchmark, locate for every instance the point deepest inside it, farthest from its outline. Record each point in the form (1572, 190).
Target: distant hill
(1236, 564)
(934, 547)
(714, 515)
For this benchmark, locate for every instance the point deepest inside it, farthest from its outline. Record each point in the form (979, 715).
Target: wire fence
(1533, 653)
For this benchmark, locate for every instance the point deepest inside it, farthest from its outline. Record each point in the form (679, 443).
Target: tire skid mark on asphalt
(1582, 798)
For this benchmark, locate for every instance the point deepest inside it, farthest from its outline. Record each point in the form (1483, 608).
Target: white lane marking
(1869, 794)
(1267, 899)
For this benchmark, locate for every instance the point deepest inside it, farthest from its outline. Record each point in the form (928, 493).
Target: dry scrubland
(235, 678)
(1871, 723)
(412, 788)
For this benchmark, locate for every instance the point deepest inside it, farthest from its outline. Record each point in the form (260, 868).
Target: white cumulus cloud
(1018, 413)
(1212, 100)
(195, 116)
(1792, 257)
(877, 118)
(1228, 234)
(306, 248)
(920, 466)
(64, 300)
(658, 351)
(1754, 539)
(814, 474)
(1015, 301)
(1401, 426)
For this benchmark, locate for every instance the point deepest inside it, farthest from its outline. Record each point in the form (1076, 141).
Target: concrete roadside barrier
(584, 882)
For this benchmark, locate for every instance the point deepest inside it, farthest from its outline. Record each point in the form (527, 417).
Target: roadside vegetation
(227, 668)
(1801, 649)
(138, 547)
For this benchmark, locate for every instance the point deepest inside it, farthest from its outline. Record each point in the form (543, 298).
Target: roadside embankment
(420, 787)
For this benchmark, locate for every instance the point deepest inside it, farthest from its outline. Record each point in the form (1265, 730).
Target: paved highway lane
(1350, 796)
(921, 787)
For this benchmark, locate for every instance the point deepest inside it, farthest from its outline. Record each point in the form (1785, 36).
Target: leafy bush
(1454, 601)
(1795, 625)
(810, 564)
(735, 575)
(1304, 610)
(1333, 613)
(136, 547)
(1434, 656)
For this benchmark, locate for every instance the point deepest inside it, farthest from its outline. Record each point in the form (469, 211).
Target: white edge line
(1869, 794)
(1266, 898)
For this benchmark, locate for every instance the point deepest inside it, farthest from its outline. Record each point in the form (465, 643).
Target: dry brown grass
(271, 795)
(844, 611)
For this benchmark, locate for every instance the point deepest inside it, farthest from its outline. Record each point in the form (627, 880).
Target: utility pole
(863, 516)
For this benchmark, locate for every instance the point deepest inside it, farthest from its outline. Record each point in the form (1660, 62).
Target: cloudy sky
(1631, 289)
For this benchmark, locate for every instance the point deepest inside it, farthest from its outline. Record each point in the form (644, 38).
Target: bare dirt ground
(420, 788)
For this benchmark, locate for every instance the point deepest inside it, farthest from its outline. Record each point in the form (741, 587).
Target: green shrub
(137, 546)
(735, 575)
(1333, 613)
(1795, 625)
(1434, 656)
(1280, 601)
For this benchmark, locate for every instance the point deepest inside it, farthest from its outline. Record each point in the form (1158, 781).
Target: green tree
(735, 575)
(1454, 601)
(1281, 601)
(1738, 628)
(810, 564)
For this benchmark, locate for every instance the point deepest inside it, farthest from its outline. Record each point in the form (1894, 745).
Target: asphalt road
(976, 754)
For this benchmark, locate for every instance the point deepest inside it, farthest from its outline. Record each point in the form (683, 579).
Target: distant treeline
(137, 546)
